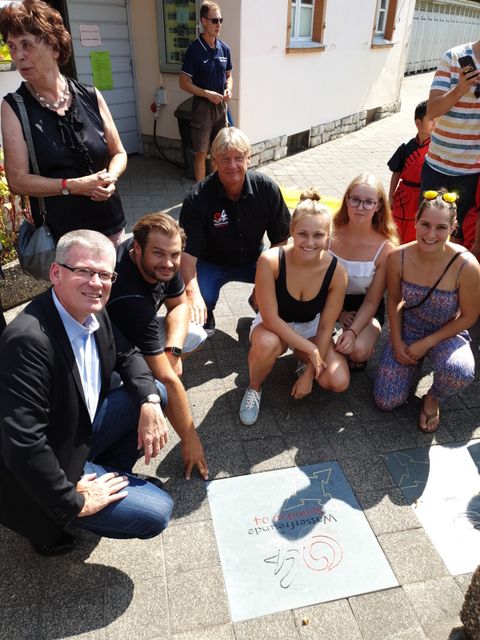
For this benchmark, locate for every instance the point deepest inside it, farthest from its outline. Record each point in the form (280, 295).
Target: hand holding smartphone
(468, 65)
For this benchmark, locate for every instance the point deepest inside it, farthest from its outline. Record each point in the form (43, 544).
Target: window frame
(301, 4)
(171, 67)
(385, 38)
(304, 44)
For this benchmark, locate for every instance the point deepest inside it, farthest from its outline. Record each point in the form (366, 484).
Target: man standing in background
(206, 74)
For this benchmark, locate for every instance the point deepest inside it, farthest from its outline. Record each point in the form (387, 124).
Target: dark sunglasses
(215, 20)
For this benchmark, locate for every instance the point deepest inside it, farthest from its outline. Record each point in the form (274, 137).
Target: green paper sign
(101, 69)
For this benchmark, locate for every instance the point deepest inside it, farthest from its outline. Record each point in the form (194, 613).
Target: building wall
(275, 93)
(296, 91)
(9, 81)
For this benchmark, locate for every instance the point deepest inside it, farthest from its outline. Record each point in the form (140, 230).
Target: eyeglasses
(87, 274)
(447, 196)
(215, 20)
(367, 204)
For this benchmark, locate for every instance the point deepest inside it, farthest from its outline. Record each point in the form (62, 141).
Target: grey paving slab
(80, 615)
(329, 621)
(226, 459)
(386, 614)
(463, 581)
(21, 571)
(393, 435)
(348, 439)
(142, 614)
(223, 632)
(412, 556)
(268, 455)
(190, 546)
(125, 559)
(19, 623)
(308, 448)
(387, 512)
(437, 604)
(280, 625)
(196, 598)
(366, 472)
(190, 497)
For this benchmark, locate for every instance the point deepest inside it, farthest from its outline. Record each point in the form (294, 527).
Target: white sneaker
(250, 407)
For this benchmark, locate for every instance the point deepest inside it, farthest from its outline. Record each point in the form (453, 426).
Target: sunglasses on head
(448, 196)
(215, 20)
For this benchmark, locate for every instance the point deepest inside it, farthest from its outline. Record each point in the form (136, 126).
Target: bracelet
(354, 332)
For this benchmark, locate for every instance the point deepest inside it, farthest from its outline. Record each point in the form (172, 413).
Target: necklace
(61, 102)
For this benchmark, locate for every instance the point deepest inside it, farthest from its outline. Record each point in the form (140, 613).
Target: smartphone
(467, 64)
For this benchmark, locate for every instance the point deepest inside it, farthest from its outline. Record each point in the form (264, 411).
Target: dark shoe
(64, 544)
(152, 479)
(357, 366)
(209, 326)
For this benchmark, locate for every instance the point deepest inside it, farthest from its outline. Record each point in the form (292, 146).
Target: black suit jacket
(45, 427)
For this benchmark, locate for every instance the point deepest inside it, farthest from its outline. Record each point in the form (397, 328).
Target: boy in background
(406, 165)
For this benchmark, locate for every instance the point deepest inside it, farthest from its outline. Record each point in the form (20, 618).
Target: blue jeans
(145, 511)
(211, 278)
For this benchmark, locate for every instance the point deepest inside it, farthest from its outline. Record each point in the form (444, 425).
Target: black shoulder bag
(35, 246)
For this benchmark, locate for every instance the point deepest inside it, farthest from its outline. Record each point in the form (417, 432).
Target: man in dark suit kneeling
(68, 440)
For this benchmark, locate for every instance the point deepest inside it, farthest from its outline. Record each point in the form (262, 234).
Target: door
(112, 18)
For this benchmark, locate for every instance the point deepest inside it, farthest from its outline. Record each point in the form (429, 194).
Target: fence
(438, 26)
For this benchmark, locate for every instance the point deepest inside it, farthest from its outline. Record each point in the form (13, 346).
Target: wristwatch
(177, 352)
(65, 189)
(153, 398)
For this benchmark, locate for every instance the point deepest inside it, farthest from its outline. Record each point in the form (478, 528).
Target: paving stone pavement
(172, 587)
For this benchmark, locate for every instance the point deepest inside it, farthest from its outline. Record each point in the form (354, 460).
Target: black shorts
(354, 302)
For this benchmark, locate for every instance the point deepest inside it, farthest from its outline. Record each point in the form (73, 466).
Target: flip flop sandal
(428, 417)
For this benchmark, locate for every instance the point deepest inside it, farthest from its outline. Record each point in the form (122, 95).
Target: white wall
(9, 81)
(286, 93)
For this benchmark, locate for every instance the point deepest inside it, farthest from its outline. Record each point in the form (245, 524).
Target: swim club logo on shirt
(220, 219)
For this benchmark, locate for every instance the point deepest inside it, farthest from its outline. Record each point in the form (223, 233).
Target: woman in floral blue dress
(433, 299)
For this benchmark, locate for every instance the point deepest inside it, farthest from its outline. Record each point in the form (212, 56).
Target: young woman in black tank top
(300, 290)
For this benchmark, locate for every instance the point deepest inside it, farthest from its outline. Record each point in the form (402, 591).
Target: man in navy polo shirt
(206, 75)
(225, 218)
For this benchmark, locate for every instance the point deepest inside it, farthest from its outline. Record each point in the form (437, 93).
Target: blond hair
(382, 220)
(230, 139)
(310, 205)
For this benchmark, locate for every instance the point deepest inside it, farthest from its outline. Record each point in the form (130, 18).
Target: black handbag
(35, 249)
(35, 245)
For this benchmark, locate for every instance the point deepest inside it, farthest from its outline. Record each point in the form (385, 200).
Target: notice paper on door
(90, 35)
(101, 70)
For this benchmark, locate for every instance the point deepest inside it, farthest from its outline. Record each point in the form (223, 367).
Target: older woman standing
(78, 149)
